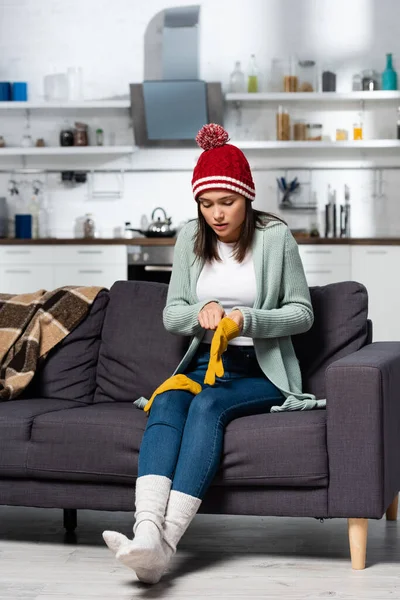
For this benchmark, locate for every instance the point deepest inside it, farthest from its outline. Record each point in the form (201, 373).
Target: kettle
(159, 227)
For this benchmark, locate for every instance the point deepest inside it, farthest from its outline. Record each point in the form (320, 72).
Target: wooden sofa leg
(391, 513)
(358, 532)
(70, 519)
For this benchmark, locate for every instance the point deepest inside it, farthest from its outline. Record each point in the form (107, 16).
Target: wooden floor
(219, 557)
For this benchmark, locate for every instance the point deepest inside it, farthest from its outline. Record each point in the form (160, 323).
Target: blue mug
(20, 91)
(5, 91)
(23, 227)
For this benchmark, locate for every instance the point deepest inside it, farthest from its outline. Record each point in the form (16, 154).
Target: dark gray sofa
(72, 440)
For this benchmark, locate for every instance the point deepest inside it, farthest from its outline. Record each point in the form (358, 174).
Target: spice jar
(290, 79)
(307, 76)
(299, 131)
(370, 80)
(89, 227)
(66, 136)
(314, 132)
(357, 131)
(99, 137)
(81, 134)
(341, 135)
(282, 125)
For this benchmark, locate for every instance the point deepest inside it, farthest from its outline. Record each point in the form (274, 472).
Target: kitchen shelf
(347, 145)
(380, 96)
(104, 104)
(67, 150)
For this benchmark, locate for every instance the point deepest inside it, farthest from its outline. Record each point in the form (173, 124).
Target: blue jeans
(183, 439)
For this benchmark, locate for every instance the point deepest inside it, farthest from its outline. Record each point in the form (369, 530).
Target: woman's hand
(210, 315)
(237, 316)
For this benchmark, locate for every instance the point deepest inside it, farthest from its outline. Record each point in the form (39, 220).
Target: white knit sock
(181, 510)
(151, 565)
(146, 553)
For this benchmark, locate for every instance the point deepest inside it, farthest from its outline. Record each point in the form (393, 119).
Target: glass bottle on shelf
(99, 137)
(252, 80)
(358, 129)
(237, 82)
(389, 75)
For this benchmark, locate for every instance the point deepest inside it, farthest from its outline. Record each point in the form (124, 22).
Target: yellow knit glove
(226, 331)
(176, 382)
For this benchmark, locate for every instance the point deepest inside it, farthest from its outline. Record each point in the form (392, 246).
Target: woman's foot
(147, 554)
(114, 540)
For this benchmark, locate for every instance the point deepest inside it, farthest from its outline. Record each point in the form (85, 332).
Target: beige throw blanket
(31, 325)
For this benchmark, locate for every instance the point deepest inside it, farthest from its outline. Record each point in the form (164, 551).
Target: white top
(233, 283)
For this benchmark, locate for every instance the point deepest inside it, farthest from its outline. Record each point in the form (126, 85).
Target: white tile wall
(106, 40)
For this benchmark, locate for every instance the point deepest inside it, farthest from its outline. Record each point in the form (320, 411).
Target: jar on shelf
(314, 132)
(99, 137)
(357, 83)
(282, 125)
(370, 80)
(341, 135)
(290, 77)
(66, 135)
(81, 137)
(299, 130)
(358, 131)
(307, 76)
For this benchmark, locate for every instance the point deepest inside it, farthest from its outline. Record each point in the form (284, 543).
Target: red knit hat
(221, 165)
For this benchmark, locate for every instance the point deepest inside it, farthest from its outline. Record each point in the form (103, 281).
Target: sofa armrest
(363, 431)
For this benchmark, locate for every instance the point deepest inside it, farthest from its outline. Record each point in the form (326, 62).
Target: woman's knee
(206, 404)
(169, 403)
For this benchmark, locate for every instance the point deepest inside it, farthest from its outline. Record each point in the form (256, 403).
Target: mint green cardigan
(282, 308)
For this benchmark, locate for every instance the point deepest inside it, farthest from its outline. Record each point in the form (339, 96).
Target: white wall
(106, 40)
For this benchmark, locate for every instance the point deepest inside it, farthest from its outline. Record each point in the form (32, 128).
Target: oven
(150, 263)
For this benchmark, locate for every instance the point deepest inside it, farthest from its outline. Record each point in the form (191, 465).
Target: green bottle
(389, 75)
(252, 80)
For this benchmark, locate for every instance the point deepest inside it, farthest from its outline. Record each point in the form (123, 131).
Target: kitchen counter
(142, 241)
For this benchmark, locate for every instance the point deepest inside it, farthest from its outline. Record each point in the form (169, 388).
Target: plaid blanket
(31, 325)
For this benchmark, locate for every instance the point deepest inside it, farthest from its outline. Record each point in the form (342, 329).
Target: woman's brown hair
(205, 241)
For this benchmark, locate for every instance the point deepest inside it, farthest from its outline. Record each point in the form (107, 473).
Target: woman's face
(224, 211)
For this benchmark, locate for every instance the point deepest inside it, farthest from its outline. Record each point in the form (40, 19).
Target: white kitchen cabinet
(22, 279)
(26, 268)
(377, 267)
(325, 264)
(90, 265)
(90, 255)
(100, 275)
(323, 275)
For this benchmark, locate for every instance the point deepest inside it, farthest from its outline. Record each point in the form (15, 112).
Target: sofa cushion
(137, 353)
(69, 370)
(16, 418)
(340, 328)
(100, 442)
(97, 442)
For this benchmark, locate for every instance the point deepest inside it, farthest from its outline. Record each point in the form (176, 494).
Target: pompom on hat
(221, 165)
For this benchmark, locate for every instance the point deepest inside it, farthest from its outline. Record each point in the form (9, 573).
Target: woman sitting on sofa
(238, 288)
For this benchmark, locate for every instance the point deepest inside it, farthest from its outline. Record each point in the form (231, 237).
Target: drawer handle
(160, 268)
(90, 271)
(90, 251)
(377, 251)
(18, 252)
(319, 272)
(27, 271)
(318, 251)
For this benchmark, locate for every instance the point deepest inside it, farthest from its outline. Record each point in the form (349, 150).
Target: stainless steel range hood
(172, 104)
